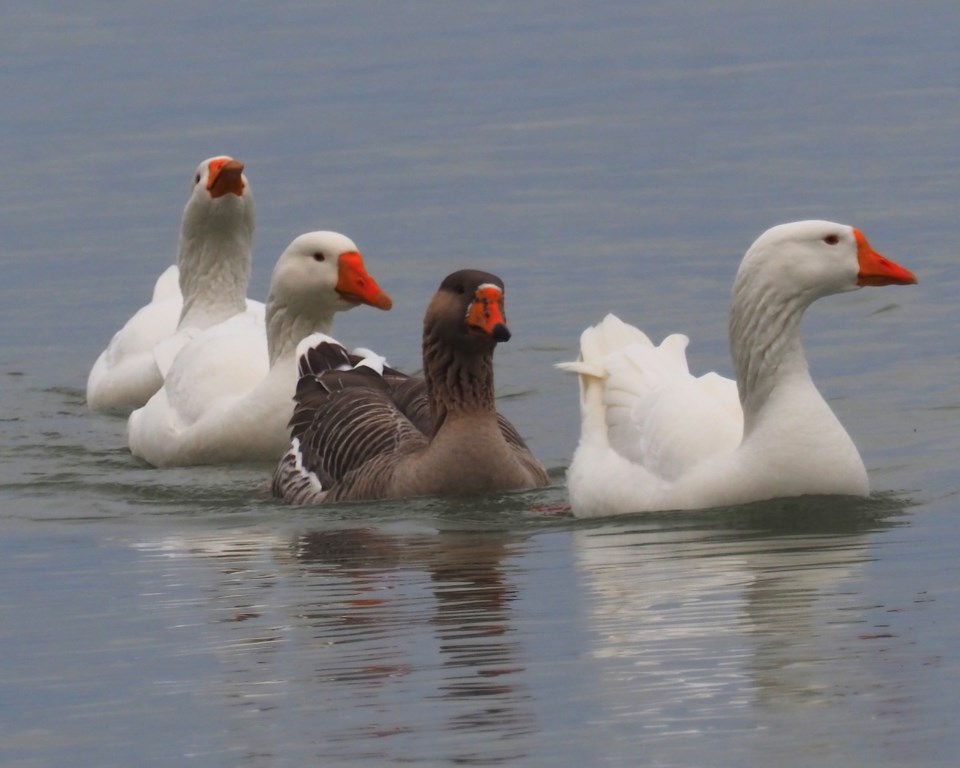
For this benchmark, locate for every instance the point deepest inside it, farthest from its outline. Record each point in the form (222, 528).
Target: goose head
(811, 259)
(786, 269)
(320, 273)
(467, 311)
(220, 198)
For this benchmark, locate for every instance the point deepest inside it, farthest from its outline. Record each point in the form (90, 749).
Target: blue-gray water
(599, 157)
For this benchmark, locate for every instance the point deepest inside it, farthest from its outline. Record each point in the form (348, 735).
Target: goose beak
(354, 284)
(226, 178)
(485, 314)
(879, 270)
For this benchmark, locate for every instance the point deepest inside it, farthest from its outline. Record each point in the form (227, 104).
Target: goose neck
(765, 345)
(286, 328)
(214, 277)
(459, 381)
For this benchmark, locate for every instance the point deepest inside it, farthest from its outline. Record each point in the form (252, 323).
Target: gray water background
(599, 157)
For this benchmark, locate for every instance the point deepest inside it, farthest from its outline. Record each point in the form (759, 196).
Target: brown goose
(360, 431)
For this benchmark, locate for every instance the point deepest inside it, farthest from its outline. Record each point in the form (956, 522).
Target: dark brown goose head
(467, 312)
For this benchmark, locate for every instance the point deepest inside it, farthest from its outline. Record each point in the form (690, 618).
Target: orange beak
(485, 314)
(354, 284)
(226, 177)
(879, 270)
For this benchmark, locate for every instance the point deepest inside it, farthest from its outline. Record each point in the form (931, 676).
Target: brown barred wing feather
(342, 421)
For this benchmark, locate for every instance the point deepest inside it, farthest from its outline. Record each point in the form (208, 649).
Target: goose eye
(460, 290)
(319, 256)
(831, 239)
(196, 179)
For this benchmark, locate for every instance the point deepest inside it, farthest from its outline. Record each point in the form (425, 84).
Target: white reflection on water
(734, 638)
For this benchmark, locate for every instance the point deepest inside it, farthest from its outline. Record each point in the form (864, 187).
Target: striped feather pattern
(342, 420)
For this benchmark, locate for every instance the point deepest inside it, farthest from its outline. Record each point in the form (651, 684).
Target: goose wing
(346, 430)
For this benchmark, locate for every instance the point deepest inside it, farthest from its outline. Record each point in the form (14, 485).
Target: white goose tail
(597, 343)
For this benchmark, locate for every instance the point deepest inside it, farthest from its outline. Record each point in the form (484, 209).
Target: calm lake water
(599, 157)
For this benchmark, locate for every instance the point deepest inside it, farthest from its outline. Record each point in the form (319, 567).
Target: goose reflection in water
(381, 645)
(705, 622)
(474, 666)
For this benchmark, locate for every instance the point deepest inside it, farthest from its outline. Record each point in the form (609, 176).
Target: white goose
(212, 274)
(221, 400)
(654, 437)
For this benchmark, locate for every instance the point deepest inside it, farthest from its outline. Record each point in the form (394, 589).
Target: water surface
(617, 158)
